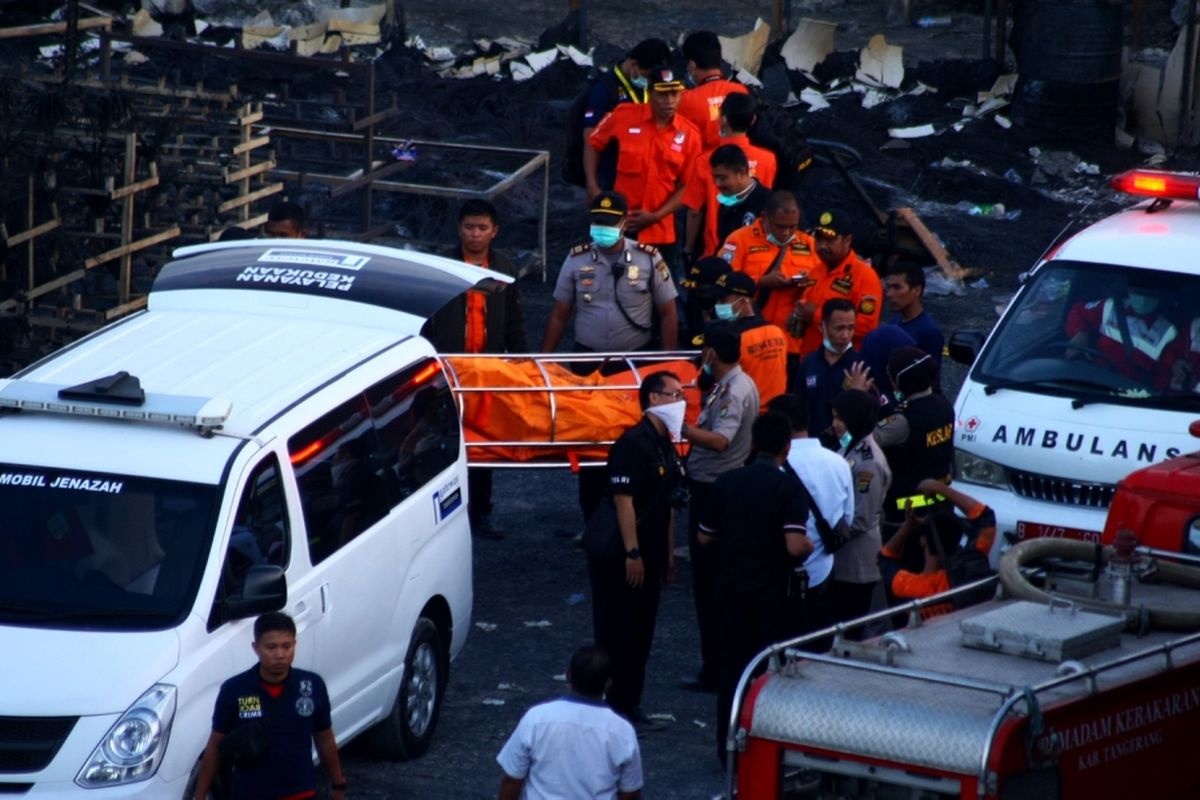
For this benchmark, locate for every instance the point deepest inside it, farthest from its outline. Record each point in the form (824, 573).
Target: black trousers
(479, 487)
(810, 612)
(623, 620)
(851, 601)
(747, 624)
(704, 583)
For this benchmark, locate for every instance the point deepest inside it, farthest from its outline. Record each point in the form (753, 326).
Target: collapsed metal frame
(633, 363)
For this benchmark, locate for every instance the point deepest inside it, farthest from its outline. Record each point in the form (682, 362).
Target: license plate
(1040, 530)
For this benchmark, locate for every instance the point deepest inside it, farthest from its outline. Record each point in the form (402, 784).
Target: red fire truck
(1079, 679)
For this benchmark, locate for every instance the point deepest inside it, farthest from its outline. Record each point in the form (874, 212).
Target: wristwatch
(633, 553)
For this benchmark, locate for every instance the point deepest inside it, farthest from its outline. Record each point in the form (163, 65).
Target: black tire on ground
(408, 729)
(218, 791)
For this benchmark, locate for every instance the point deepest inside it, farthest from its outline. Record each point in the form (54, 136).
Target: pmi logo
(314, 258)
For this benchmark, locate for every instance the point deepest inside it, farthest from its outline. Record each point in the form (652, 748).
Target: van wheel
(408, 729)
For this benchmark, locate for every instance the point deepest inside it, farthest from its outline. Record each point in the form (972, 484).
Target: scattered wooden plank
(55, 27)
(32, 233)
(132, 247)
(246, 199)
(253, 144)
(950, 268)
(249, 172)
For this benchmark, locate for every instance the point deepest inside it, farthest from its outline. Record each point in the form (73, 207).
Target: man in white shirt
(575, 746)
(829, 482)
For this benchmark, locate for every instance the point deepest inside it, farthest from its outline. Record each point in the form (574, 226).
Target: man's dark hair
(780, 201)
(703, 48)
(273, 621)
(914, 276)
(234, 234)
(835, 304)
(476, 207)
(771, 433)
(724, 340)
(792, 409)
(283, 211)
(651, 53)
(912, 369)
(653, 383)
(731, 156)
(739, 110)
(591, 670)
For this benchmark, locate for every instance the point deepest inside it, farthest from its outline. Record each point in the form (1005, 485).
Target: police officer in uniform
(918, 439)
(720, 443)
(613, 285)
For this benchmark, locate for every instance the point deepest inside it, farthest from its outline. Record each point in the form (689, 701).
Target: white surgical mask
(838, 350)
(671, 415)
(724, 311)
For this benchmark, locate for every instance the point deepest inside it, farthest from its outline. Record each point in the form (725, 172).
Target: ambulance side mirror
(964, 346)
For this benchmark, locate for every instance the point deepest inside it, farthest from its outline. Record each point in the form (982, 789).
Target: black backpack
(572, 163)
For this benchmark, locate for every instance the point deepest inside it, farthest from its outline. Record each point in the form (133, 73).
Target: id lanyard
(630, 89)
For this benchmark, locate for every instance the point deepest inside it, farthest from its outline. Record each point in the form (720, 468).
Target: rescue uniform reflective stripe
(1147, 340)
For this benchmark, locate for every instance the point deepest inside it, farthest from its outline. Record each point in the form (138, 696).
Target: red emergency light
(1158, 184)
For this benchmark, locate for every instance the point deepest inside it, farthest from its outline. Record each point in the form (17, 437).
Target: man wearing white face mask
(645, 479)
(836, 367)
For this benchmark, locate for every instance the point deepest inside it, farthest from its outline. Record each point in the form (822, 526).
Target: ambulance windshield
(91, 550)
(1099, 333)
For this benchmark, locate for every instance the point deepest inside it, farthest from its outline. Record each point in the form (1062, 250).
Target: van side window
(260, 527)
(343, 490)
(417, 421)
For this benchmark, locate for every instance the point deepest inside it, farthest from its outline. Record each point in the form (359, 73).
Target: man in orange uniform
(655, 151)
(701, 105)
(846, 276)
(782, 261)
(764, 346)
(711, 188)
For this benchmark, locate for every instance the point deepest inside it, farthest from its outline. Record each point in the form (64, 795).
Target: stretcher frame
(631, 362)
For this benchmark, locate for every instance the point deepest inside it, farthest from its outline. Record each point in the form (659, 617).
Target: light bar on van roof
(205, 413)
(1158, 183)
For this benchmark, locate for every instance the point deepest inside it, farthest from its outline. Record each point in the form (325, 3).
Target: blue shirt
(926, 332)
(820, 382)
(289, 721)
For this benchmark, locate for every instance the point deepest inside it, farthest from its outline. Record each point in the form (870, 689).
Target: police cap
(664, 79)
(609, 207)
(705, 271)
(831, 223)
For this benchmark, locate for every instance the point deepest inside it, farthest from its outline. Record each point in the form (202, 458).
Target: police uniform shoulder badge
(580, 249)
(648, 248)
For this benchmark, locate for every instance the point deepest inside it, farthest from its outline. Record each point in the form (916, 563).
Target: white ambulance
(1092, 371)
(270, 433)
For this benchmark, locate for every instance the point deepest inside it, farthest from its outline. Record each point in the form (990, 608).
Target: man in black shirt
(836, 367)
(756, 516)
(644, 476)
(742, 197)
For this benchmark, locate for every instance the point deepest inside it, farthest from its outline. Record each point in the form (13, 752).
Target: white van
(1091, 372)
(270, 433)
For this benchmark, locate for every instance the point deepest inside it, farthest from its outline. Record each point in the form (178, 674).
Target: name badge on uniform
(633, 273)
(635, 130)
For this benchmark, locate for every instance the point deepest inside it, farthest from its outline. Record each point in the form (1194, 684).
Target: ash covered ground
(536, 575)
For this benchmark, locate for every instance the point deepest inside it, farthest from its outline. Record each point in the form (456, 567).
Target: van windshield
(1101, 334)
(91, 550)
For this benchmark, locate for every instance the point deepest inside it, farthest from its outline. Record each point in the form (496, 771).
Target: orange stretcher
(535, 411)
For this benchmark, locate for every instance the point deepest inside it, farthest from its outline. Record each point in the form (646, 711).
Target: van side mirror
(964, 346)
(265, 590)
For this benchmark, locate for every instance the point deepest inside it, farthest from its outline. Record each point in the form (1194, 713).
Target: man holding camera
(266, 721)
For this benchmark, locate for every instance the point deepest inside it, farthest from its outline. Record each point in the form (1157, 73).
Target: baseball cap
(720, 336)
(611, 205)
(704, 272)
(831, 223)
(738, 283)
(663, 79)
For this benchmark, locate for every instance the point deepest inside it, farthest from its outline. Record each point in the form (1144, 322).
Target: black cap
(665, 79)
(705, 271)
(722, 337)
(831, 223)
(738, 283)
(611, 205)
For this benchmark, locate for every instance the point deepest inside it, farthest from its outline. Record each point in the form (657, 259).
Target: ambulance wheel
(408, 729)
